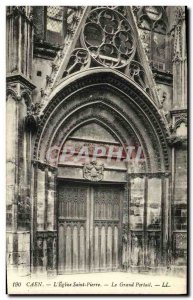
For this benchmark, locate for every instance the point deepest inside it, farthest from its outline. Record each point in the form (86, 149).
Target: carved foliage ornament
(108, 37)
(93, 171)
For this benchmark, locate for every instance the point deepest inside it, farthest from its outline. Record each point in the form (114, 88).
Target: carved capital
(40, 165)
(43, 165)
(53, 169)
(176, 140)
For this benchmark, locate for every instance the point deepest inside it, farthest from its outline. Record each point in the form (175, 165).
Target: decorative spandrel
(137, 73)
(108, 37)
(79, 60)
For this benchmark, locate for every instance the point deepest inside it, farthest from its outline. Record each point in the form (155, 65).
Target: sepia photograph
(96, 150)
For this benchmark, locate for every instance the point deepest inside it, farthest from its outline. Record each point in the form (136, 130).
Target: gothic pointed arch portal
(101, 177)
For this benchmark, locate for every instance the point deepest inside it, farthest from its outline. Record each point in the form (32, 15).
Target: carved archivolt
(147, 112)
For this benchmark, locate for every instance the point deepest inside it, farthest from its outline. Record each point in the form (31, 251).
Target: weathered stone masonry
(96, 76)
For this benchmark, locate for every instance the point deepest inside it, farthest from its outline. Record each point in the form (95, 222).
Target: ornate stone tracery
(79, 60)
(152, 18)
(59, 65)
(108, 37)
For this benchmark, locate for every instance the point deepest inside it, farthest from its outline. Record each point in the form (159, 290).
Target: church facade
(96, 139)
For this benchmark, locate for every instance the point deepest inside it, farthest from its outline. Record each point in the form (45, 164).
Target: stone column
(19, 51)
(50, 219)
(44, 218)
(11, 204)
(18, 194)
(179, 203)
(180, 61)
(125, 225)
(38, 216)
(178, 143)
(166, 215)
(51, 200)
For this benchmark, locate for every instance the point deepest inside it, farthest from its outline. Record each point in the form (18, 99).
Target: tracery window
(153, 24)
(108, 37)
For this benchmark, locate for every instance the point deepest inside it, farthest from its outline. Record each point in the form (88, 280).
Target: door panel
(107, 216)
(72, 228)
(89, 228)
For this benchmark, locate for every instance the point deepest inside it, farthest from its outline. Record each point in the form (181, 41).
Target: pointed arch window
(153, 22)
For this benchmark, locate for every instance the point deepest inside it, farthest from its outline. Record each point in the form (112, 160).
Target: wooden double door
(89, 227)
